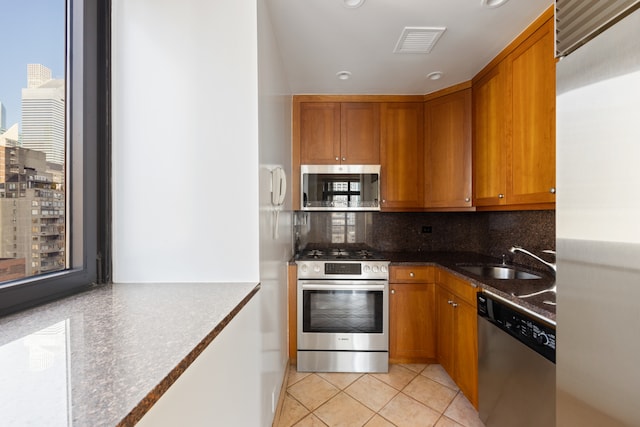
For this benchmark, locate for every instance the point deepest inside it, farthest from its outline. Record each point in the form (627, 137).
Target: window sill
(123, 346)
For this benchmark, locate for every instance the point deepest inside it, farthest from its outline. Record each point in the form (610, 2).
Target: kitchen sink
(502, 272)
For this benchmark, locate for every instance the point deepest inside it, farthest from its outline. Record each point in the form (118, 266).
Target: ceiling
(319, 38)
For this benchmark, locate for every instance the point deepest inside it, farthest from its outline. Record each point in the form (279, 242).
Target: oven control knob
(367, 269)
(384, 269)
(375, 269)
(542, 338)
(316, 268)
(303, 268)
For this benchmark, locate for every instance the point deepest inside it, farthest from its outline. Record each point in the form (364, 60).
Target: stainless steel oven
(343, 314)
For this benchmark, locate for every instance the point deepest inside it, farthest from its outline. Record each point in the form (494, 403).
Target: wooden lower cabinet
(412, 314)
(457, 332)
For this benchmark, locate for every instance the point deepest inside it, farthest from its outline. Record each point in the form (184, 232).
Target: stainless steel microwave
(340, 187)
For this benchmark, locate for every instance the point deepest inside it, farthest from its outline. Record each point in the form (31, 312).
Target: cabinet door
(457, 332)
(465, 352)
(319, 133)
(401, 155)
(491, 118)
(411, 323)
(533, 155)
(360, 133)
(448, 151)
(444, 330)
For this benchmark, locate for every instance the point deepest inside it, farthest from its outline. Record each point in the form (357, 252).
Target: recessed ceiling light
(352, 4)
(436, 75)
(493, 3)
(343, 75)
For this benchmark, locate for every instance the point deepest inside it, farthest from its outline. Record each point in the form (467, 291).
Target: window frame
(88, 163)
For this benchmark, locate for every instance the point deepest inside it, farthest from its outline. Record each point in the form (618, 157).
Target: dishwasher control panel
(532, 332)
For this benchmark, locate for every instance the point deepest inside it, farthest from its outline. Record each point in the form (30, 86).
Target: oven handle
(343, 287)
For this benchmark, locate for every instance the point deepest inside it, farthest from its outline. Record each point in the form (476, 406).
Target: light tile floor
(409, 395)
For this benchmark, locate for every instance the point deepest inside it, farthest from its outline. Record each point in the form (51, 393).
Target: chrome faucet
(551, 265)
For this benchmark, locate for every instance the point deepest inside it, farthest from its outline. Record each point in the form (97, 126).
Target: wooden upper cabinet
(448, 151)
(514, 123)
(319, 133)
(533, 149)
(360, 133)
(490, 120)
(401, 155)
(339, 133)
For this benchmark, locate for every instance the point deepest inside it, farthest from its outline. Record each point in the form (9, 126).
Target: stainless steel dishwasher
(516, 365)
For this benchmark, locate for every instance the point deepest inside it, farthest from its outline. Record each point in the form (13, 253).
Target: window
(343, 227)
(54, 149)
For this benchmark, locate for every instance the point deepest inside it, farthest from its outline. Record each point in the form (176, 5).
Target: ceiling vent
(418, 39)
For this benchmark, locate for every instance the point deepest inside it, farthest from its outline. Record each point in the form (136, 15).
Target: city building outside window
(54, 149)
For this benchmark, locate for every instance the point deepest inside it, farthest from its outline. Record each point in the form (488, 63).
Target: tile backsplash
(490, 233)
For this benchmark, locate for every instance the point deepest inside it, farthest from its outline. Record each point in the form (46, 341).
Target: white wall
(185, 141)
(192, 165)
(220, 388)
(275, 150)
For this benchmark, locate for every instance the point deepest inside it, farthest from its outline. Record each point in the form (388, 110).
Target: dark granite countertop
(452, 261)
(105, 356)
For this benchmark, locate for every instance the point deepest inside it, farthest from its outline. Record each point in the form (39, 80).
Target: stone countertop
(105, 356)
(452, 261)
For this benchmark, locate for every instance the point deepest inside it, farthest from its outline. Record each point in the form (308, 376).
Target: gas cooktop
(339, 253)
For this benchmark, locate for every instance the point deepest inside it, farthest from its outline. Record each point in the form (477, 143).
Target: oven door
(346, 315)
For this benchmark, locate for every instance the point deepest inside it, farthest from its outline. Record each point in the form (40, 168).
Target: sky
(31, 32)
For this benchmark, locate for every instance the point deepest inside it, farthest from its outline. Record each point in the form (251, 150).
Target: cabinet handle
(552, 190)
(411, 274)
(344, 159)
(454, 305)
(450, 302)
(393, 291)
(500, 196)
(467, 199)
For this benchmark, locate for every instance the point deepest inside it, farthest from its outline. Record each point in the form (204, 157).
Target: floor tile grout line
(451, 403)
(456, 389)
(383, 406)
(305, 415)
(428, 406)
(296, 382)
(384, 418)
(339, 387)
